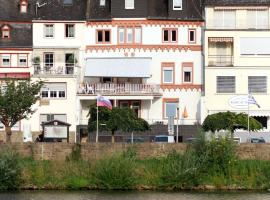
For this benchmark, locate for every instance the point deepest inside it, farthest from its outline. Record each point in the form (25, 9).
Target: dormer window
(23, 6)
(102, 3)
(67, 2)
(5, 32)
(129, 4)
(177, 4)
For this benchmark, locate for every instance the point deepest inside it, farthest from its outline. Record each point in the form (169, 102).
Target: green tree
(117, 119)
(229, 121)
(16, 100)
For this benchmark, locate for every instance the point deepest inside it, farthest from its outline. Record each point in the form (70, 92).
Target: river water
(140, 195)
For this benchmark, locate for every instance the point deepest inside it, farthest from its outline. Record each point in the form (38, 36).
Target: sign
(55, 132)
(239, 102)
(171, 125)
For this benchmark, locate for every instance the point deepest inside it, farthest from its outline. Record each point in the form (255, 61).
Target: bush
(179, 171)
(115, 172)
(216, 156)
(10, 171)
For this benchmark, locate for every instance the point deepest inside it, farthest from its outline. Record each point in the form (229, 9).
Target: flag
(251, 100)
(103, 101)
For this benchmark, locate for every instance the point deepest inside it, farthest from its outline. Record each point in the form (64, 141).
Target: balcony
(54, 70)
(220, 60)
(119, 89)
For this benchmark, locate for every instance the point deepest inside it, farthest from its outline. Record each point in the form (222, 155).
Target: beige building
(237, 57)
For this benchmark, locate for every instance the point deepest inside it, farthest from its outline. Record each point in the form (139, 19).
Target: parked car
(135, 140)
(164, 139)
(257, 140)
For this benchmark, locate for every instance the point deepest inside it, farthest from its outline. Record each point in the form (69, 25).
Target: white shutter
(255, 46)
(262, 19)
(54, 86)
(225, 84)
(177, 4)
(229, 19)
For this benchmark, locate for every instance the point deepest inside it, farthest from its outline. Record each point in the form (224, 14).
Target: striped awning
(220, 39)
(241, 8)
(23, 75)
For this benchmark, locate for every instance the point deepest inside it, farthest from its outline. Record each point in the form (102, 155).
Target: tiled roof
(237, 2)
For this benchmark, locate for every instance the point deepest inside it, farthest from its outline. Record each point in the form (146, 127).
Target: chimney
(23, 6)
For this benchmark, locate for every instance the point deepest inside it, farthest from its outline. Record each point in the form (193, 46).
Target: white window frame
(48, 64)
(68, 32)
(188, 69)
(49, 30)
(177, 4)
(129, 4)
(54, 91)
(6, 57)
(168, 69)
(22, 57)
(165, 108)
(102, 2)
(189, 34)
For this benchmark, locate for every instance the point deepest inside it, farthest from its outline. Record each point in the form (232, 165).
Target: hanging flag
(103, 101)
(251, 100)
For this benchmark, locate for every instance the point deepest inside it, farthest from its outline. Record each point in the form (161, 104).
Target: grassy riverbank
(205, 165)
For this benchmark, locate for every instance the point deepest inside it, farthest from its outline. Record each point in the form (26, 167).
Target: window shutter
(257, 84)
(225, 84)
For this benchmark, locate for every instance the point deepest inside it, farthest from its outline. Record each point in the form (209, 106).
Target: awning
(220, 39)
(118, 67)
(241, 8)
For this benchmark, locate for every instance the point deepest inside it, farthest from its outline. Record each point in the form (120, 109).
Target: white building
(237, 58)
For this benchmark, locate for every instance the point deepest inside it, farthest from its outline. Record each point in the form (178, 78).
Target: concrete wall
(59, 151)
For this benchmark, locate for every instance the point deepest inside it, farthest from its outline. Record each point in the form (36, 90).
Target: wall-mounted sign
(55, 132)
(239, 102)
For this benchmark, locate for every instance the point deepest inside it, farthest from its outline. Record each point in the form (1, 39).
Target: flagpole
(248, 115)
(97, 123)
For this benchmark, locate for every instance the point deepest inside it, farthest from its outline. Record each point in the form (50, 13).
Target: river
(140, 195)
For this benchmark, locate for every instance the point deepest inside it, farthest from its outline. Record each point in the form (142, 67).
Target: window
(103, 36)
(187, 72)
(70, 31)
(49, 30)
(168, 73)
(129, 4)
(48, 59)
(225, 84)
(53, 90)
(169, 35)
(102, 2)
(257, 19)
(192, 36)
(6, 31)
(5, 60)
(23, 6)
(23, 60)
(224, 19)
(170, 108)
(255, 46)
(49, 117)
(257, 84)
(128, 35)
(177, 4)
(67, 2)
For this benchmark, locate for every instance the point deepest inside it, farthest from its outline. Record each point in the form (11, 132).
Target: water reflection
(140, 195)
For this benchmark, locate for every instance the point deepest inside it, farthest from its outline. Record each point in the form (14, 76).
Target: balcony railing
(220, 60)
(56, 70)
(112, 88)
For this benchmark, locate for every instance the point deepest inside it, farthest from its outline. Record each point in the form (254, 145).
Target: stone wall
(59, 151)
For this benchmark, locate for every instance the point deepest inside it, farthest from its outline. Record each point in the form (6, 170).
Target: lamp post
(177, 128)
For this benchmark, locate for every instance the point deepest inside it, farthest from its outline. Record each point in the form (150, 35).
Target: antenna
(38, 5)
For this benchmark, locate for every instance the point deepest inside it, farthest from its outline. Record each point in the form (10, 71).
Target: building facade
(145, 55)
(236, 49)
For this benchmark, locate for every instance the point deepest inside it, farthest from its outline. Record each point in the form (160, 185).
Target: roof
(21, 36)
(57, 10)
(150, 9)
(10, 10)
(236, 2)
(55, 123)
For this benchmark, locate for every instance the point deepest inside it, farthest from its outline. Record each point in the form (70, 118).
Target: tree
(230, 121)
(16, 99)
(117, 119)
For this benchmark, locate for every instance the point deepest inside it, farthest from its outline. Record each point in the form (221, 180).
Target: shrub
(115, 172)
(10, 171)
(179, 171)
